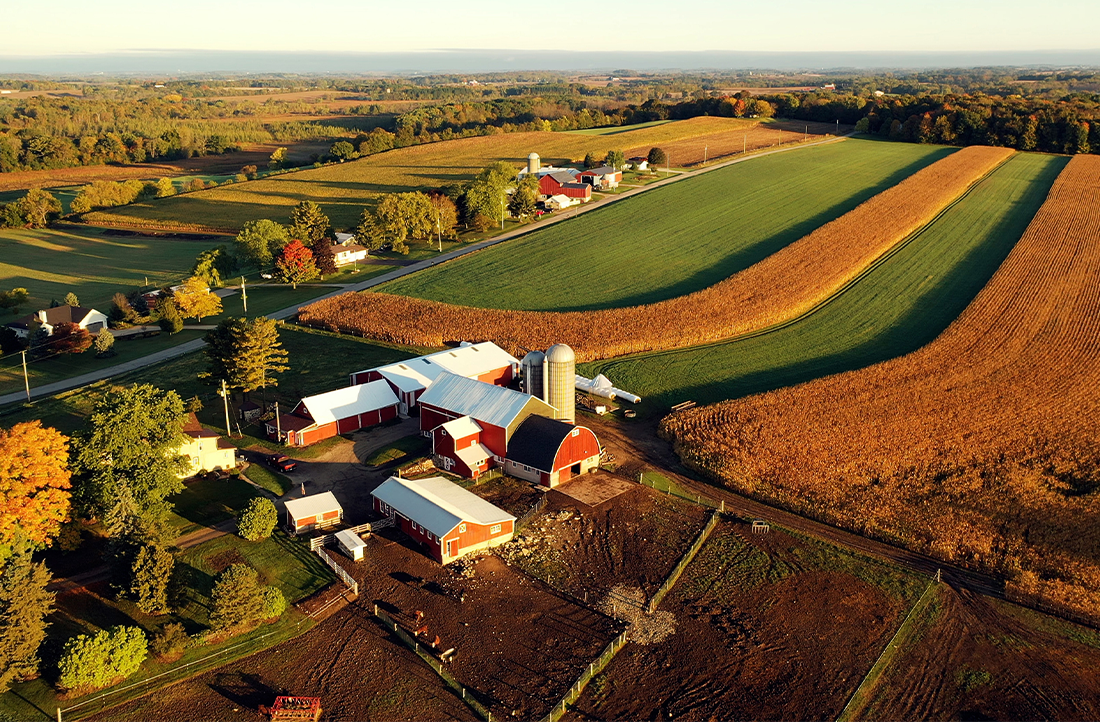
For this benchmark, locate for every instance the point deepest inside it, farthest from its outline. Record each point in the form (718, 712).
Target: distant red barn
(562, 183)
(336, 412)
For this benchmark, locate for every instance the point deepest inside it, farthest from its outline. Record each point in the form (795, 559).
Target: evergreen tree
(150, 573)
(24, 606)
(368, 232)
(591, 161)
(309, 224)
(258, 519)
(71, 299)
(237, 598)
(245, 353)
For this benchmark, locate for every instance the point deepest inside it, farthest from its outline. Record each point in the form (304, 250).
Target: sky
(370, 26)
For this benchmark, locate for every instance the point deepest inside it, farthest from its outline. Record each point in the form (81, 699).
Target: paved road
(57, 387)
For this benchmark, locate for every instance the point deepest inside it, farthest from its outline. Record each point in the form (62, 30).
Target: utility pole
(705, 149)
(502, 212)
(439, 229)
(278, 425)
(806, 135)
(26, 381)
(244, 295)
(745, 148)
(225, 398)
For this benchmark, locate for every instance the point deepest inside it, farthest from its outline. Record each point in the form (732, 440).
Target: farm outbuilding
(602, 177)
(447, 520)
(317, 511)
(335, 412)
(409, 379)
(558, 202)
(457, 448)
(551, 452)
(351, 543)
(498, 411)
(562, 183)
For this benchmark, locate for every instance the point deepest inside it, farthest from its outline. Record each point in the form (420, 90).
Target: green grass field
(898, 307)
(51, 262)
(677, 239)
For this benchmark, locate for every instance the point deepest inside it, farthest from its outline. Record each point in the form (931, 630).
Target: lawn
(677, 239)
(898, 306)
(50, 262)
(344, 189)
(208, 502)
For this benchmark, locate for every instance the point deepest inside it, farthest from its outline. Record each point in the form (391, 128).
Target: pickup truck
(281, 462)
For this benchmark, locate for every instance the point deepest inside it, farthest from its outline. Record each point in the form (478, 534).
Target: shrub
(104, 343)
(93, 662)
(258, 519)
(274, 603)
(169, 642)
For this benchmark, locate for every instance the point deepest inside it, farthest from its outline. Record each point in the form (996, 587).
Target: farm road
(47, 390)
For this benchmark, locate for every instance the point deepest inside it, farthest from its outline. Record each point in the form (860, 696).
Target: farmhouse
(562, 183)
(497, 411)
(409, 379)
(551, 452)
(86, 318)
(335, 412)
(347, 251)
(556, 203)
(601, 178)
(639, 162)
(205, 450)
(448, 520)
(317, 511)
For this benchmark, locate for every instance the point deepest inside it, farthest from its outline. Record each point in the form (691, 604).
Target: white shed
(352, 544)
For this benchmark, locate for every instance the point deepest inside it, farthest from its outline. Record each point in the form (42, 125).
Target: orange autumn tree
(34, 485)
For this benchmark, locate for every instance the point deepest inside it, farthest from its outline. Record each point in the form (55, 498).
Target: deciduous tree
(38, 208)
(168, 316)
(213, 265)
(259, 241)
(324, 257)
(68, 338)
(71, 299)
(524, 198)
(277, 159)
(295, 264)
(406, 215)
(13, 299)
(656, 157)
(194, 299)
(34, 485)
(616, 159)
(104, 343)
(444, 215)
(93, 662)
(24, 606)
(342, 150)
(258, 519)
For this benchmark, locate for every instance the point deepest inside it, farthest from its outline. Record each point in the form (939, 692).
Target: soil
(633, 540)
(765, 632)
(983, 659)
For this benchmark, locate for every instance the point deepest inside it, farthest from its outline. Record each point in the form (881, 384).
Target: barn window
(461, 528)
(575, 432)
(494, 529)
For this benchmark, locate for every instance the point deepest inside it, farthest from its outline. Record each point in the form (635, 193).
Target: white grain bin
(561, 376)
(534, 163)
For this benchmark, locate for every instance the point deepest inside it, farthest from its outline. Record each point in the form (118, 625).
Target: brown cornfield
(982, 448)
(777, 289)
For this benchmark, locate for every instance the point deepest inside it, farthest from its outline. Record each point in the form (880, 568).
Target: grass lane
(898, 307)
(677, 239)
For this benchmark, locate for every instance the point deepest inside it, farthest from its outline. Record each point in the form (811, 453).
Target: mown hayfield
(979, 448)
(778, 289)
(896, 308)
(342, 190)
(51, 262)
(673, 240)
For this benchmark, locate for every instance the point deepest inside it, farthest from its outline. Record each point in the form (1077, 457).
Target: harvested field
(634, 540)
(781, 287)
(977, 658)
(980, 448)
(344, 189)
(725, 221)
(767, 627)
(695, 151)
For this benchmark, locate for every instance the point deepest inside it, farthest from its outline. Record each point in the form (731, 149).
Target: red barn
(498, 411)
(409, 379)
(442, 516)
(551, 452)
(562, 183)
(336, 412)
(457, 448)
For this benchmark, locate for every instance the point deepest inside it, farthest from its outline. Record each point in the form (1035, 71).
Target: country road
(47, 390)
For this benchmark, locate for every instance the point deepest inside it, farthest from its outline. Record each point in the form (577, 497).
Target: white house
(556, 203)
(640, 162)
(86, 318)
(347, 251)
(205, 450)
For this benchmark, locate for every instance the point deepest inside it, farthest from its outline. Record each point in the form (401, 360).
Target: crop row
(782, 286)
(981, 448)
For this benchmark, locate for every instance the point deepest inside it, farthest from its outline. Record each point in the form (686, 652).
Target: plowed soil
(767, 627)
(982, 659)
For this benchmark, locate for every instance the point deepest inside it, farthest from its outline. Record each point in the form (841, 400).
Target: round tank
(533, 371)
(561, 373)
(533, 163)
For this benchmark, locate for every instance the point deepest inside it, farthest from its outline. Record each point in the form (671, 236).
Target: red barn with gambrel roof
(551, 452)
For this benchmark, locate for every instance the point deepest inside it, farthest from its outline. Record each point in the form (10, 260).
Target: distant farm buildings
(602, 178)
(347, 251)
(88, 319)
(342, 411)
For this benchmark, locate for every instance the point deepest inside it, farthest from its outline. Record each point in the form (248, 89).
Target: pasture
(673, 240)
(344, 189)
(896, 308)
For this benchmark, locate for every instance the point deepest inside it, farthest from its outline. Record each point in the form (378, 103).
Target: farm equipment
(295, 709)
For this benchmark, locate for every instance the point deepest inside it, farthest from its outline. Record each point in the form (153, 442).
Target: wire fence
(437, 666)
(659, 482)
(589, 672)
(674, 576)
(530, 514)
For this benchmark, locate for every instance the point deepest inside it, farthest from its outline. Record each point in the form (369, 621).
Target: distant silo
(533, 164)
(561, 381)
(533, 370)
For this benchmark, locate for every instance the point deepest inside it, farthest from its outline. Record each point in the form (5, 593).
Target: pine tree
(308, 223)
(368, 232)
(237, 598)
(150, 573)
(246, 353)
(24, 606)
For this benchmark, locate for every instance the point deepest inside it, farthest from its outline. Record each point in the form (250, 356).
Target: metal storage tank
(533, 371)
(533, 163)
(561, 381)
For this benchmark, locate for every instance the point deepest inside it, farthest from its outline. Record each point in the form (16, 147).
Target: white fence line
(344, 576)
(317, 542)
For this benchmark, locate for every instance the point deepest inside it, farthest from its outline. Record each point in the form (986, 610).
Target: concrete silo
(561, 380)
(533, 163)
(533, 371)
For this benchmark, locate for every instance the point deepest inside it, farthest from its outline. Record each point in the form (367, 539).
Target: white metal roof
(480, 401)
(438, 505)
(461, 427)
(471, 360)
(471, 456)
(345, 238)
(312, 505)
(349, 539)
(349, 401)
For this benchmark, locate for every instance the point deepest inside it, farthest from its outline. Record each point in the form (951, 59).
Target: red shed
(316, 511)
(457, 448)
(551, 452)
(336, 412)
(562, 183)
(448, 520)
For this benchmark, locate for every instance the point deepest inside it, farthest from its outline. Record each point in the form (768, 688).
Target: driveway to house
(57, 387)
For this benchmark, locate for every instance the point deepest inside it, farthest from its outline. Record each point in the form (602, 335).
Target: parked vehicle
(282, 462)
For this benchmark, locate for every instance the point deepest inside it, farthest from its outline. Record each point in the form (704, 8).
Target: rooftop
(438, 504)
